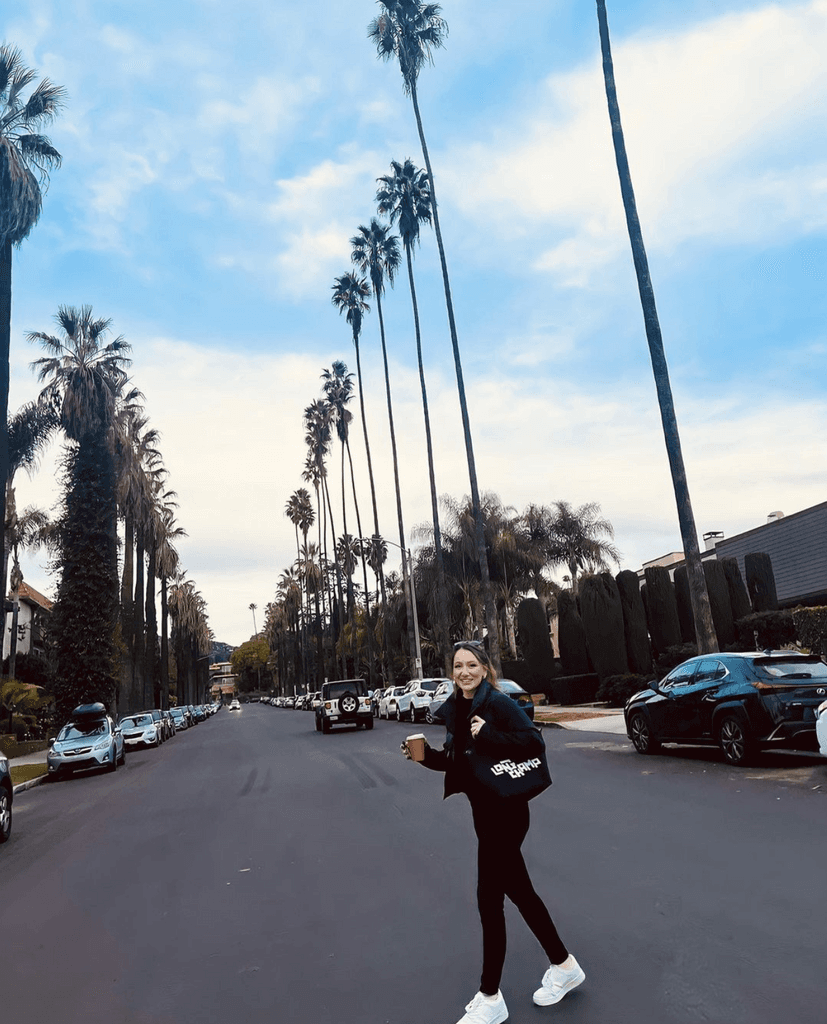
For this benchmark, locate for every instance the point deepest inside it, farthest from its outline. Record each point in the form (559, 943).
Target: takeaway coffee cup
(416, 746)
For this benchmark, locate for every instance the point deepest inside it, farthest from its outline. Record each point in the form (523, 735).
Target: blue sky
(216, 165)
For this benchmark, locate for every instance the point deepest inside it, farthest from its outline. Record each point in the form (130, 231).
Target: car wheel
(369, 723)
(413, 715)
(325, 725)
(113, 765)
(736, 744)
(398, 714)
(429, 718)
(123, 755)
(5, 815)
(318, 724)
(642, 737)
(348, 703)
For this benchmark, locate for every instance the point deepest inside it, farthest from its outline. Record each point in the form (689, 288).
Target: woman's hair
(480, 653)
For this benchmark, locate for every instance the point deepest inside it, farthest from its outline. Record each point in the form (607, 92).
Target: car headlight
(56, 749)
(101, 744)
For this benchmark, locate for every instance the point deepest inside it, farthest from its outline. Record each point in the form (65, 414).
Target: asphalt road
(252, 870)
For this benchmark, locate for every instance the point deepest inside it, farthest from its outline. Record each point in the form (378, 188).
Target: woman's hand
(476, 724)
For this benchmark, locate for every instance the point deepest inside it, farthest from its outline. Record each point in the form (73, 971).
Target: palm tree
(376, 253)
(167, 567)
(405, 198)
(84, 376)
(410, 31)
(253, 607)
(577, 540)
(704, 628)
(26, 158)
(350, 292)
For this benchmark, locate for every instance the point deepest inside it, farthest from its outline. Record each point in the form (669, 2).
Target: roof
(28, 593)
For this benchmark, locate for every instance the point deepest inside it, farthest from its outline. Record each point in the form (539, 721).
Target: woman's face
(469, 672)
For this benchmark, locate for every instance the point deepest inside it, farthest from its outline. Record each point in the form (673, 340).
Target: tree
(247, 662)
(405, 198)
(26, 157)
(376, 253)
(577, 539)
(410, 31)
(704, 628)
(84, 375)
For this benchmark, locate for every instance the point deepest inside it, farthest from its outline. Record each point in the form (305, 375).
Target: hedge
(775, 630)
(811, 627)
(579, 689)
(616, 690)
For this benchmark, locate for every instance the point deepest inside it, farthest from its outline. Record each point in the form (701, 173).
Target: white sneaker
(484, 1010)
(557, 982)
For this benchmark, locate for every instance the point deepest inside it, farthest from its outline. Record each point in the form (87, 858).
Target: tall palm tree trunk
(368, 628)
(417, 668)
(490, 609)
(441, 632)
(339, 599)
(164, 645)
(151, 682)
(5, 349)
(704, 629)
(138, 694)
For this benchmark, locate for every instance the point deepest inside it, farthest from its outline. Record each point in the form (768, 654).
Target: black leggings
(501, 827)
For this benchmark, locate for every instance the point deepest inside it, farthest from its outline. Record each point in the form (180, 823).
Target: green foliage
(616, 690)
(535, 644)
(673, 656)
(571, 636)
(718, 591)
(575, 689)
(738, 596)
(775, 629)
(811, 627)
(602, 615)
(638, 648)
(84, 615)
(760, 581)
(661, 609)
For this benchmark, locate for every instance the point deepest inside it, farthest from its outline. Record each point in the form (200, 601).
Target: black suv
(344, 702)
(741, 702)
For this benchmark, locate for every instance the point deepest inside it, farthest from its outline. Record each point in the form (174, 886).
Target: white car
(412, 704)
(821, 727)
(140, 730)
(235, 706)
(438, 697)
(387, 702)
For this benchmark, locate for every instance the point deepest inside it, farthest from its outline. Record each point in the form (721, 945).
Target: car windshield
(136, 720)
(429, 684)
(80, 730)
(507, 686)
(791, 668)
(177, 713)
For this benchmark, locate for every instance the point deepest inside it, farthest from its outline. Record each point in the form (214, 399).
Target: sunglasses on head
(468, 643)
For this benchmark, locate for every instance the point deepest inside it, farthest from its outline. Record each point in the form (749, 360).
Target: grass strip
(26, 772)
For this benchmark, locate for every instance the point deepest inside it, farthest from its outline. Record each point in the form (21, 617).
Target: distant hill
(220, 652)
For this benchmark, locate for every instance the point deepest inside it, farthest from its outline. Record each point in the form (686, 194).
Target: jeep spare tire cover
(348, 703)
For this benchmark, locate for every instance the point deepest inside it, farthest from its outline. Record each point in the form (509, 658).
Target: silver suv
(412, 703)
(90, 739)
(344, 702)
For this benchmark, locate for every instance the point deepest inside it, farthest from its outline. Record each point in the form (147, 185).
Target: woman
(478, 717)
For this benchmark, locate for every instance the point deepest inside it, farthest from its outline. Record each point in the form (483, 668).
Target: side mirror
(51, 740)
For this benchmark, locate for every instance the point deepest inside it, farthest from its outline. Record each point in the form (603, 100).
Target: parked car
(438, 698)
(141, 730)
(6, 798)
(169, 725)
(387, 704)
(90, 739)
(742, 702)
(179, 718)
(520, 696)
(412, 703)
(344, 702)
(821, 727)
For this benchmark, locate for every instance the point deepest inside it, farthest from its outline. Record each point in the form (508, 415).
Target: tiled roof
(28, 593)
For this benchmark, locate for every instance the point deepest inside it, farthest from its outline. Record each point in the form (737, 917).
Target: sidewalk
(583, 718)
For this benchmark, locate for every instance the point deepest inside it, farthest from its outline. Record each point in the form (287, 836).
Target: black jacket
(507, 731)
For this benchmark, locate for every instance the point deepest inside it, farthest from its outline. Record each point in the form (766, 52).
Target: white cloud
(698, 106)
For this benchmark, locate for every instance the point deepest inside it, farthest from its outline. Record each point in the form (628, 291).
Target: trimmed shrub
(638, 649)
(775, 630)
(616, 690)
(662, 608)
(672, 657)
(520, 673)
(534, 638)
(761, 581)
(575, 689)
(718, 591)
(683, 599)
(738, 596)
(602, 616)
(571, 636)
(811, 627)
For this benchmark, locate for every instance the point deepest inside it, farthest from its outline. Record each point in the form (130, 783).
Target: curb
(21, 787)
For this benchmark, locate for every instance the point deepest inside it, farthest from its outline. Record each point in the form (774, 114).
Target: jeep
(344, 702)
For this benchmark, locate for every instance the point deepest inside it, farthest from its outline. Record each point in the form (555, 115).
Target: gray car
(90, 739)
(6, 798)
